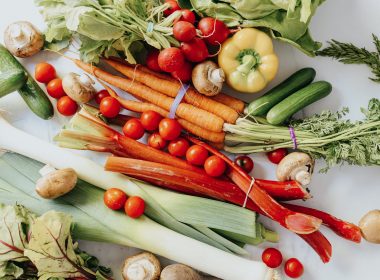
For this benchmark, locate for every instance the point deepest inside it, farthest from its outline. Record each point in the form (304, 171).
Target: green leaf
(8, 270)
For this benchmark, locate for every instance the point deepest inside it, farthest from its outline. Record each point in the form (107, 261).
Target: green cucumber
(298, 80)
(30, 91)
(11, 81)
(297, 101)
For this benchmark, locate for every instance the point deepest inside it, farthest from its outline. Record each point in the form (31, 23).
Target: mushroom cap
(179, 272)
(208, 78)
(143, 266)
(370, 226)
(76, 89)
(291, 162)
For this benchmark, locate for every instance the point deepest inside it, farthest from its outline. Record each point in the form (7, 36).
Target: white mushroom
(56, 183)
(370, 226)
(295, 166)
(23, 39)
(208, 78)
(78, 87)
(144, 266)
(179, 272)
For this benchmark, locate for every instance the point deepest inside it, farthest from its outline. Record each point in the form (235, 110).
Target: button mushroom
(144, 266)
(78, 87)
(370, 226)
(23, 39)
(179, 272)
(295, 166)
(56, 183)
(208, 78)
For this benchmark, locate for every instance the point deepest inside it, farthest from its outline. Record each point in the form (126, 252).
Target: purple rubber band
(293, 137)
(177, 100)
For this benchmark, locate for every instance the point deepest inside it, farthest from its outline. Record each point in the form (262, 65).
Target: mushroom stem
(216, 76)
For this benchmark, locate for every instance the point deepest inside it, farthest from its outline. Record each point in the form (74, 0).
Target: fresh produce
(244, 162)
(23, 39)
(184, 31)
(272, 257)
(171, 59)
(173, 6)
(195, 50)
(109, 107)
(134, 129)
(287, 21)
(214, 166)
(248, 60)
(196, 155)
(80, 88)
(179, 271)
(134, 207)
(370, 226)
(141, 266)
(326, 135)
(295, 166)
(293, 268)
(115, 198)
(66, 106)
(169, 129)
(187, 15)
(100, 95)
(297, 81)
(348, 53)
(11, 80)
(208, 78)
(156, 141)
(55, 89)
(214, 31)
(178, 147)
(276, 156)
(150, 120)
(152, 61)
(282, 111)
(183, 74)
(44, 72)
(56, 183)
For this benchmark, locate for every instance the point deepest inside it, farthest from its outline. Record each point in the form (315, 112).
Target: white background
(347, 192)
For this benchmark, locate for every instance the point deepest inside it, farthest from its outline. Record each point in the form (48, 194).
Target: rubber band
(293, 137)
(150, 27)
(248, 192)
(177, 100)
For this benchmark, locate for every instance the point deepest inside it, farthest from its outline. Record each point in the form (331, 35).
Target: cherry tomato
(169, 129)
(100, 95)
(293, 268)
(187, 15)
(134, 207)
(133, 129)
(109, 107)
(277, 155)
(184, 31)
(245, 162)
(214, 166)
(272, 257)
(196, 155)
(55, 89)
(183, 74)
(171, 59)
(114, 198)
(172, 8)
(66, 106)
(179, 147)
(156, 141)
(150, 120)
(152, 61)
(44, 72)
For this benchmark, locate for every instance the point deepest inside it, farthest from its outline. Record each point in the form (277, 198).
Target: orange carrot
(230, 101)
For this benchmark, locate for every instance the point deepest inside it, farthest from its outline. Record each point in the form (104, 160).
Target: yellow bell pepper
(248, 60)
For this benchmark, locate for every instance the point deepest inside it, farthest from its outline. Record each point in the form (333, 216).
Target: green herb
(348, 53)
(326, 135)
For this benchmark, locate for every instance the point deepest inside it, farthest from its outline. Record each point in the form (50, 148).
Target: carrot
(230, 101)
(171, 88)
(188, 112)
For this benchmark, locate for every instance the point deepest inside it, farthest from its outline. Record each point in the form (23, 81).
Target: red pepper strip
(296, 222)
(320, 244)
(344, 229)
(289, 190)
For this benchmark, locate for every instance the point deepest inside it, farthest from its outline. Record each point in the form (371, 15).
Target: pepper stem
(249, 60)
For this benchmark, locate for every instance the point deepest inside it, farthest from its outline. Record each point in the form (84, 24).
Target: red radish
(195, 50)
(152, 61)
(214, 31)
(171, 59)
(188, 16)
(156, 141)
(172, 8)
(184, 31)
(183, 74)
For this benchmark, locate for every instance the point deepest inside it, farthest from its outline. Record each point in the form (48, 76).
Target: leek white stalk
(146, 233)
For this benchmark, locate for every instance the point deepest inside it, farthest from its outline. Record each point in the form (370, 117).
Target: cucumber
(30, 91)
(11, 81)
(298, 80)
(297, 101)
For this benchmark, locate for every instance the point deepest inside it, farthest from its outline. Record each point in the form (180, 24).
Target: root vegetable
(144, 266)
(370, 226)
(179, 272)
(208, 78)
(195, 50)
(215, 31)
(295, 166)
(56, 183)
(79, 87)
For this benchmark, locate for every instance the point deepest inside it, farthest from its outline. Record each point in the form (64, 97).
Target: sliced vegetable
(293, 268)
(44, 72)
(66, 106)
(114, 198)
(133, 129)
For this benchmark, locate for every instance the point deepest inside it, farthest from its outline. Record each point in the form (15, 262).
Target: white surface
(347, 192)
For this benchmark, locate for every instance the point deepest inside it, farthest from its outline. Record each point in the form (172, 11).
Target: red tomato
(134, 207)
(66, 106)
(188, 16)
(277, 155)
(184, 31)
(183, 74)
(272, 257)
(178, 147)
(150, 120)
(171, 59)
(195, 50)
(152, 61)
(109, 107)
(196, 155)
(172, 8)
(133, 129)
(214, 166)
(100, 95)
(245, 162)
(55, 89)
(293, 268)
(114, 198)
(214, 30)
(44, 72)
(169, 129)
(156, 141)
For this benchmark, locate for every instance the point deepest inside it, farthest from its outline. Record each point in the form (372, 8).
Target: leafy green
(8, 270)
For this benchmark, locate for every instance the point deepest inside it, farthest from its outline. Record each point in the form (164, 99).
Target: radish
(184, 31)
(187, 15)
(173, 7)
(152, 61)
(195, 50)
(183, 74)
(171, 59)
(213, 30)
